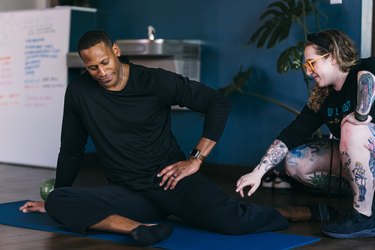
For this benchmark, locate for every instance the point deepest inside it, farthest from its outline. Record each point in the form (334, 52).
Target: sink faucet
(151, 33)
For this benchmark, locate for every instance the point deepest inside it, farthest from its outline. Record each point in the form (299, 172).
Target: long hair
(341, 48)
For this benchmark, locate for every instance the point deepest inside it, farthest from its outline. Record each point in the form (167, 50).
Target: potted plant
(278, 19)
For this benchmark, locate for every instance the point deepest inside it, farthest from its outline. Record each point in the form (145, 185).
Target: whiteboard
(33, 79)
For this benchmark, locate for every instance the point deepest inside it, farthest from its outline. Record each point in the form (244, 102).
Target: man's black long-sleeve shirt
(131, 128)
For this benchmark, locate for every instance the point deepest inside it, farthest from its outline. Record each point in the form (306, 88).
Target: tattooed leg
(357, 148)
(359, 174)
(310, 165)
(322, 181)
(371, 147)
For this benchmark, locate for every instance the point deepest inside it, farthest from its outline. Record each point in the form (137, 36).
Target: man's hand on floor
(33, 206)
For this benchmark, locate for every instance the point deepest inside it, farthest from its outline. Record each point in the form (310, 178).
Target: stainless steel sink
(159, 47)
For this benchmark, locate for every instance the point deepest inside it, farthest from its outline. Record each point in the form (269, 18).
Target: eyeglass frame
(309, 63)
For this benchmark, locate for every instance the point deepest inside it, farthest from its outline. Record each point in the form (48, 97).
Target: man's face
(103, 65)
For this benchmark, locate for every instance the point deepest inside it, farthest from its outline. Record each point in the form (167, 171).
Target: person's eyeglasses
(309, 64)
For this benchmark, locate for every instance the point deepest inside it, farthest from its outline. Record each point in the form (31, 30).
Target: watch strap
(201, 157)
(197, 154)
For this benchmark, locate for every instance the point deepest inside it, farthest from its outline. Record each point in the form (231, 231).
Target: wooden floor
(18, 183)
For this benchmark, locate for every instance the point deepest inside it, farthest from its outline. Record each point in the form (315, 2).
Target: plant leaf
(284, 7)
(291, 58)
(278, 19)
(279, 33)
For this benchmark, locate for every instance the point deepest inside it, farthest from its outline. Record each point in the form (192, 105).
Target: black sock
(147, 235)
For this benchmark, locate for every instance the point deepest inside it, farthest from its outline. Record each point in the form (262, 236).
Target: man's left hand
(172, 174)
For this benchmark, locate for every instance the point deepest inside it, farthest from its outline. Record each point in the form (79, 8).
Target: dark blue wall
(225, 26)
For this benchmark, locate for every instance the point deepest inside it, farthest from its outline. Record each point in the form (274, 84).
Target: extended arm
(274, 155)
(73, 140)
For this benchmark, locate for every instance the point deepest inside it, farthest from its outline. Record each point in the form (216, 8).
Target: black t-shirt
(131, 129)
(337, 105)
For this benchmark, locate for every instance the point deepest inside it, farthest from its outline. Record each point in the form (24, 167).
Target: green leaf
(291, 58)
(291, 4)
(264, 34)
(274, 37)
(274, 13)
(278, 19)
(283, 6)
(276, 23)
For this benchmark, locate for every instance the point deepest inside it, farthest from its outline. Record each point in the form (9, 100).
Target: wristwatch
(359, 117)
(197, 154)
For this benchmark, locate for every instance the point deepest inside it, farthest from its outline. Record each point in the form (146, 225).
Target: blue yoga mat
(183, 237)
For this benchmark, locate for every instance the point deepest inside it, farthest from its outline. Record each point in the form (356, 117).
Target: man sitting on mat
(126, 110)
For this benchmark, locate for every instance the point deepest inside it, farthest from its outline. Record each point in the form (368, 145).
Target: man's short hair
(93, 37)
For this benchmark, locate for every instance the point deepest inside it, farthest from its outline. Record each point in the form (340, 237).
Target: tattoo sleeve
(274, 155)
(365, 96)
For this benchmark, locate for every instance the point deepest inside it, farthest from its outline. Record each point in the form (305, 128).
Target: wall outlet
(335, 1)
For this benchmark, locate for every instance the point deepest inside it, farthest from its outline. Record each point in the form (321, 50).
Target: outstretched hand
(33, 206)
(252, 180)
(172, 174)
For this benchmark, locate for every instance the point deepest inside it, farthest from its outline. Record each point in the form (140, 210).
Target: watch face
(195, 153)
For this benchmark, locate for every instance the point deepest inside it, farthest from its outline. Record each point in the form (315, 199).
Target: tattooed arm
(365, 99)
(274, 155)
(365, 95)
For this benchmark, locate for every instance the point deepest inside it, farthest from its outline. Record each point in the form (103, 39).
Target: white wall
(366, 31)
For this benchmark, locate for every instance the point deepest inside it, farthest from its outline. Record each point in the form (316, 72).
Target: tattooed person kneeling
(342, 99)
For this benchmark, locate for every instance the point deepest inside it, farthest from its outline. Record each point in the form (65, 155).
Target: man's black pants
(195, 200)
